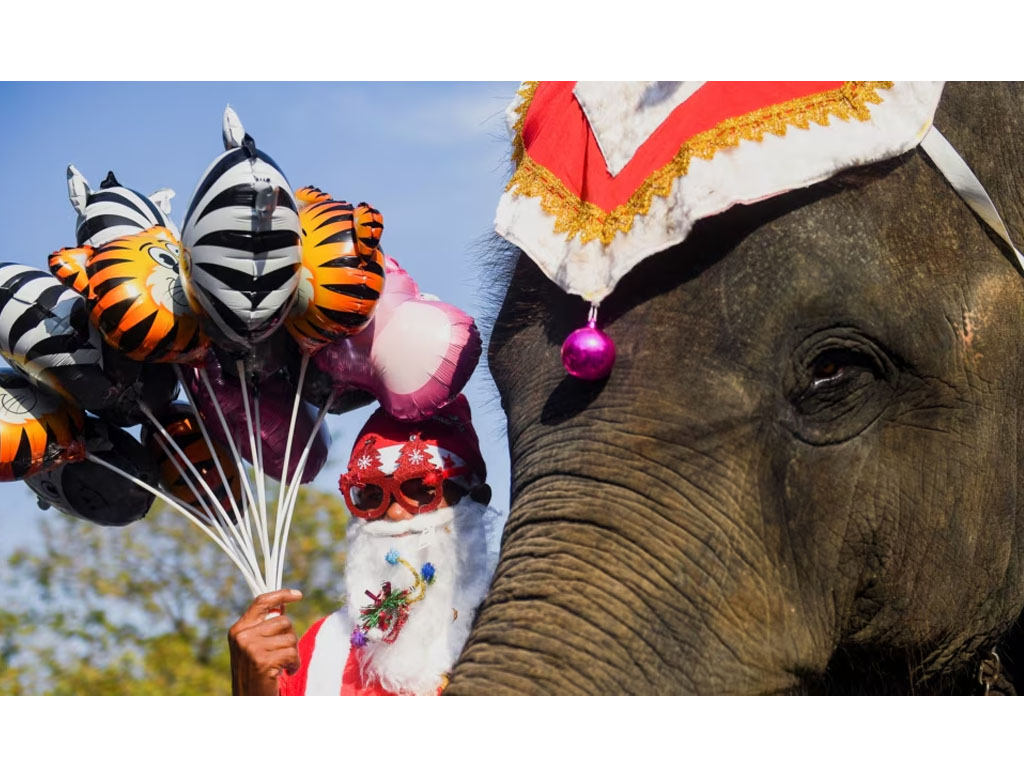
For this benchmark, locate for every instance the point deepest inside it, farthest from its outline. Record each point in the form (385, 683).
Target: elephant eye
(831, 366)
(841, 382)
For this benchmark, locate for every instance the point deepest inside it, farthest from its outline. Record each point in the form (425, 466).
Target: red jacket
(325, 649)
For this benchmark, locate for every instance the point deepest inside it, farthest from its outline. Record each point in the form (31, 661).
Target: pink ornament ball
(588, 353)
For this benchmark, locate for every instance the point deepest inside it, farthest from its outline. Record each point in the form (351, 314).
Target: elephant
(803, 474)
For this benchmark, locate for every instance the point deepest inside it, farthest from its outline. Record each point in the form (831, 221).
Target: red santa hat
(447, 441)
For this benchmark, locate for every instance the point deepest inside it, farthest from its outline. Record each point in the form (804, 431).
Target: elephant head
(803, 473)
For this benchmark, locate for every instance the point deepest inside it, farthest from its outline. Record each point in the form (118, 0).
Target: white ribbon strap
(966, 184)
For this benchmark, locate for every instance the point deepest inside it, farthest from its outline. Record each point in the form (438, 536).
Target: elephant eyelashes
(831, 366)
(838, 387)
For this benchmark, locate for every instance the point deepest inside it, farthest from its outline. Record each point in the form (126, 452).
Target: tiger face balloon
(342, 270)
(38, 431)
(138, 302)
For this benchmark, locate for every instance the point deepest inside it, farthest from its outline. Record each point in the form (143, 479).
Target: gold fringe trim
(577, 217)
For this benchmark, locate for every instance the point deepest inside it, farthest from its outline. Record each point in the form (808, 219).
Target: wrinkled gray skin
(803, 474)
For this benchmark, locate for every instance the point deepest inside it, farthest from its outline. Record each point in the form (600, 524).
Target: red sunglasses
(370, 499)
(417, 487)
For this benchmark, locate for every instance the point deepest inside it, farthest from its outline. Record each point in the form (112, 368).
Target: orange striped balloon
(68, 266)
(342, 269)
(138, 302)
(38, 431)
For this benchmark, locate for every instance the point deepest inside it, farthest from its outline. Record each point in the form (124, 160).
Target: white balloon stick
(293, 489)
(174, 504)
(253, 568)
(261, 517)
(282, 487)
(247, 527)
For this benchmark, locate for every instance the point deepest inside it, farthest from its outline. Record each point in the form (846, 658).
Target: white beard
(454, 541)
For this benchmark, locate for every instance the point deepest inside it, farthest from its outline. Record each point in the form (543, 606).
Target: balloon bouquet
(230, 311)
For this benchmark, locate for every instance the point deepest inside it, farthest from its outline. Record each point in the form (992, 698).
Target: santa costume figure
(417, 568)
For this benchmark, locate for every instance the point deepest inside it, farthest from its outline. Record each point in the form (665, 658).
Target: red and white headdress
(610, 173)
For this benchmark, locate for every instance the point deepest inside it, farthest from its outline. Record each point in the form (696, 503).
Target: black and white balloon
(92, 492)
(45, 334)
(115, 211)
(242, 243)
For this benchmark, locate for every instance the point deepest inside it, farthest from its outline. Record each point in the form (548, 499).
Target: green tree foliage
(145, 609)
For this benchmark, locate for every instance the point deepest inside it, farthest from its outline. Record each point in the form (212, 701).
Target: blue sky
(431, 156)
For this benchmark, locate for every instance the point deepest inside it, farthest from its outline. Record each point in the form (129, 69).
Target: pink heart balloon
(415, 356)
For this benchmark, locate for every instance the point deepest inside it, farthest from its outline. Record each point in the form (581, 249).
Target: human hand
(263, 644)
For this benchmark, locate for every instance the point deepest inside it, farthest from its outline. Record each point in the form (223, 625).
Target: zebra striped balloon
(45, 334)
(115, 211)
(241, 239)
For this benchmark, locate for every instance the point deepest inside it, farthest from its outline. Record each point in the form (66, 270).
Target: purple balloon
(277, 398)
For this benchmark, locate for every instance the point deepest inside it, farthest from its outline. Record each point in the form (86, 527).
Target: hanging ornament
(608, 174)
(589, 353)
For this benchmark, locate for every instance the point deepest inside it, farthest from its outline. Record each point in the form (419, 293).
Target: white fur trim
(752, 171)
(389, 457)
(330, 654)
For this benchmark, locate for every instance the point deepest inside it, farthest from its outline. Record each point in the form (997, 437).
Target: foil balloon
(68, 266)
(91, 492)
(241, 238)
(318, 387)
(342, 269)
(273, 355)
(277, 397)
(137, 300)
(45, 334)
(115, 211)
(415, 356)
(180, 423)
(38, 431)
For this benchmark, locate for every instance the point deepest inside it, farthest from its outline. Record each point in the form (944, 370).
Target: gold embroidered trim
(577, 217)
(525, 93)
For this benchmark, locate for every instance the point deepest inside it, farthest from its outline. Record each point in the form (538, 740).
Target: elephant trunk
(600, 590)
